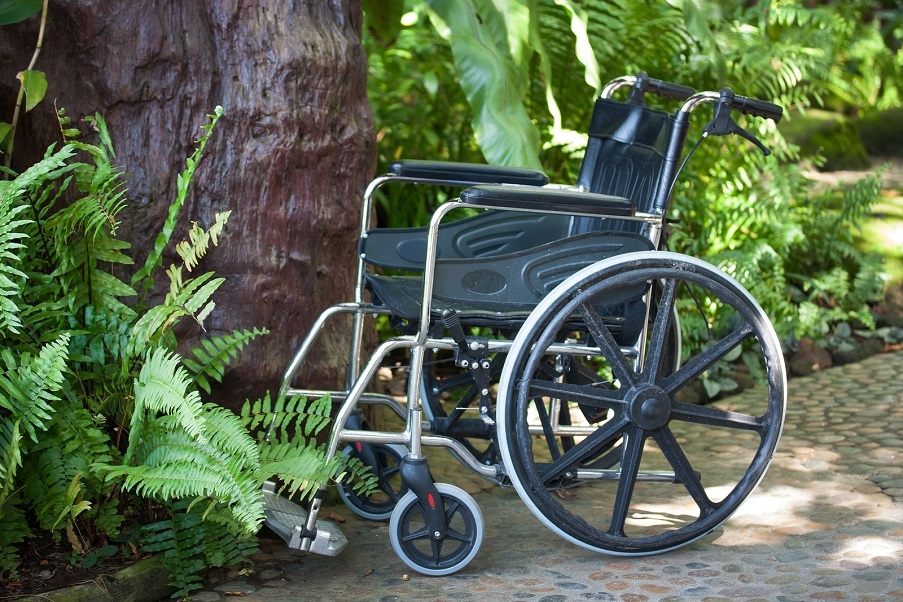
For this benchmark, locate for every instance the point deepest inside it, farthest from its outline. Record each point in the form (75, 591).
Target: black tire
(413, 544)
(635, 509)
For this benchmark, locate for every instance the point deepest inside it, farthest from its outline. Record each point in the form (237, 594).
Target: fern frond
(287, 419)
(28, 386)
(11, 232)
(192, 250)
(13, 531)
(155, 258)
(50, 474)
(302, 469)
(163, 386)
(175, 465)
(185, 298)
(10, 456)
(214, 354)
(190, 545)
(228, 435)
(181, 542)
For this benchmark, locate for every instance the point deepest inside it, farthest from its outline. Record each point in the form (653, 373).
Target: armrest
(466, 174)
(549, 200)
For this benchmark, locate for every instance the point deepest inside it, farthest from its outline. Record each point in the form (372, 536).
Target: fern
(163, 386)
(10, 235)
(28, 386)
(199, 240)
(286, 430)
(170, 464)
(286, 418)
(155, 258)
(189, 545)
(10, 456)
(13, 531)
(215, 353)
(185, 298)
(192, 449)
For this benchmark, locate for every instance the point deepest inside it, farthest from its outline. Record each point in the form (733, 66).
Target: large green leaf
(489, 78)
(583, 46)
(13, 11)
(35, 83)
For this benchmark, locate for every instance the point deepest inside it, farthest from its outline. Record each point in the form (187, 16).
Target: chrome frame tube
(314, 333)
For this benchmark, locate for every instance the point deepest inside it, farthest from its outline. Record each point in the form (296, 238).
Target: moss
(832, 135)
(882, 133)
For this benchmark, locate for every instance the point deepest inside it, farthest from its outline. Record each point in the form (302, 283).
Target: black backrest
(625, 157)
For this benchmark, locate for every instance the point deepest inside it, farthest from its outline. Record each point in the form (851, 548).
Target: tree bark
(291, 155)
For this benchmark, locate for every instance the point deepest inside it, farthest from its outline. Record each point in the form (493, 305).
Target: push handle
(642, 83)
(666, 89)
(759, 108)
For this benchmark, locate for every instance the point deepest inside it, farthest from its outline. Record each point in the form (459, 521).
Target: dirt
(46, 567)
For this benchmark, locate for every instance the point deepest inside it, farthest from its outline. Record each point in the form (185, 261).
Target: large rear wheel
(664, 471)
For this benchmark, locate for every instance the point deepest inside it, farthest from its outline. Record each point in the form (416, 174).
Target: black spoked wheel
(665, 471)
(412, 540)
(385, 466)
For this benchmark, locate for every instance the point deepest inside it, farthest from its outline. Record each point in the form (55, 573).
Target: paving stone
(826, 523)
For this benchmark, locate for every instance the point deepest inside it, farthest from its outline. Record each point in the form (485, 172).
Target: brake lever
(723, 123)
(730, 127)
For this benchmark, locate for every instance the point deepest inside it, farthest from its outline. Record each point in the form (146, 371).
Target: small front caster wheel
(412, 541)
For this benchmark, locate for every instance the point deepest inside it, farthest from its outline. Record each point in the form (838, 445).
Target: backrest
(625, 156)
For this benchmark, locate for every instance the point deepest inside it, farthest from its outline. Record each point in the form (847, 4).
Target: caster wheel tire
(379, 504)
(412, 542)
(678, 469)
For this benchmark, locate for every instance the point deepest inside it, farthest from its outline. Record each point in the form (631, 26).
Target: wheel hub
(650, 407)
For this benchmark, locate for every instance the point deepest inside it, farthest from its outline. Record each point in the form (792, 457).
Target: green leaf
(584, 47)
(4, 129)
(13, 11)
(489, 78)
(35, 83)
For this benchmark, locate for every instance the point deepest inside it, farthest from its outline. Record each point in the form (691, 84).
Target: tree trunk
(291, 155)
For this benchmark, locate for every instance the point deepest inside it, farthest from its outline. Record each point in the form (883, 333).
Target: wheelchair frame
(642, 407)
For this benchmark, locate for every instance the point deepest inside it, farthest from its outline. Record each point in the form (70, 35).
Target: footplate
(287, 519)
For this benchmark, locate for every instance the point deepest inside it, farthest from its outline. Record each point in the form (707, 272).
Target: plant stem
(7, 160)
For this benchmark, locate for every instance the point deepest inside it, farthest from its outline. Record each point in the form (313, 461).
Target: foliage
(755, 217)
(189, 543)
(33, 83)
(98, 413)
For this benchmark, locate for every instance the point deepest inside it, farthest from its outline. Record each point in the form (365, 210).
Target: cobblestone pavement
(826, 523)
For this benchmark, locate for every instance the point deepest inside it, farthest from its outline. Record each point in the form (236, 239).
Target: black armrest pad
(467, 173)
(548, 199)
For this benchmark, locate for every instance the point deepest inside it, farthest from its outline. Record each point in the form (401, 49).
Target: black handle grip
(644, 84)
(759, 108)
(669, 90)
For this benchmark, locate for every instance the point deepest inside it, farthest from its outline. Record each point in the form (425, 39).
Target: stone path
(826, 523)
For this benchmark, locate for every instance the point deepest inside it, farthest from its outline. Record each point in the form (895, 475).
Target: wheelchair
(544, 340)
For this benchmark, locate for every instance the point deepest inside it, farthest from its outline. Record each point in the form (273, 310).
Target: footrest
(287, 519)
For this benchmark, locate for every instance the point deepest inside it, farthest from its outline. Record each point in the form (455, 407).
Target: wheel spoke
(658, 336)
(710, 416)
(630, 466)
(705, 360)
(422, 534)
(596, 397)
(683, 470)
(587, 448)
(610, 349)
(546, 424)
